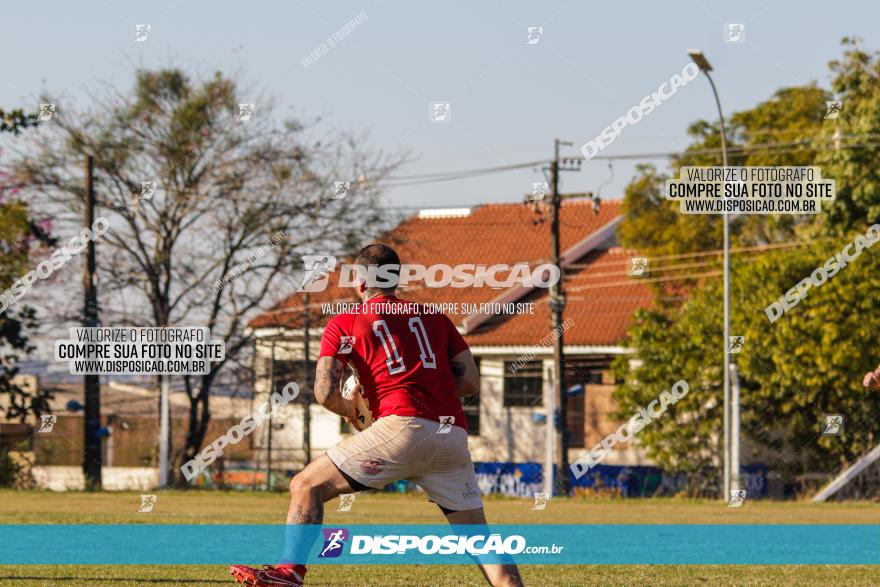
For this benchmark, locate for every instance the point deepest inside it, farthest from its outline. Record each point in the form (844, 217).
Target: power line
(706, 253)
(428, 178)
(466, 171)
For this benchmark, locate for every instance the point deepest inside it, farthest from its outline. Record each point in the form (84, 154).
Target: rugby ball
(351, 390)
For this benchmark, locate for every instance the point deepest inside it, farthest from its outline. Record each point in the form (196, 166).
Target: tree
(790, 128)
(20, 237)
(787, 129)
(856, 85)
(15, 121)
(226, 187)
(806, 364)
(810, 361)
(655, 228)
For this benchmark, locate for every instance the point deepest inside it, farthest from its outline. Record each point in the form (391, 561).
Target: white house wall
(506, 434)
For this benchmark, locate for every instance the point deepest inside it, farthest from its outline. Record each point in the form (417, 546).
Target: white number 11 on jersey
(393, 358)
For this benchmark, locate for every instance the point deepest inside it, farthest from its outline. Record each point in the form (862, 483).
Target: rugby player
(413, 367)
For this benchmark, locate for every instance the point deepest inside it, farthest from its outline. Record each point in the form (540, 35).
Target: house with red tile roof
(508, 420)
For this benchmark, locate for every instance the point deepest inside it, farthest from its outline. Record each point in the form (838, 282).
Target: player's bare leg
(319, 482)
(496, 575)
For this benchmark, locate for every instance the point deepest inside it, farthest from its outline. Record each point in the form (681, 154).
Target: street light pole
(701, 62)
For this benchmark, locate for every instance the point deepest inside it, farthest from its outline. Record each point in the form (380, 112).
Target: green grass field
(191, 507)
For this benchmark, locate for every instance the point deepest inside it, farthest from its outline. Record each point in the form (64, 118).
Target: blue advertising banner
(158, 544)
(526, 479)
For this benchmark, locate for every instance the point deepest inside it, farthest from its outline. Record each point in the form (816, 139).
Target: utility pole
(557, 306)
(269, 444)
(92, 415)
(307, 398)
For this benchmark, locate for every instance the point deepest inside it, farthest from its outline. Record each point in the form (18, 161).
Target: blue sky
(509, 100)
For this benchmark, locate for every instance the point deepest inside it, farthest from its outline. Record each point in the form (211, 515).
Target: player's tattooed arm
(464, 370)
(328, 374)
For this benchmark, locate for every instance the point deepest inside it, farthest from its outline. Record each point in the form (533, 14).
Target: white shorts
(405, 447)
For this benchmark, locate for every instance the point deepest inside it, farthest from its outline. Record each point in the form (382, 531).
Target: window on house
(471, 407)
(581, 371)
(523, 386)
(285, 371)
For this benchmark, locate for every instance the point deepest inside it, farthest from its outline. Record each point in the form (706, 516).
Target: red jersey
(401, 355)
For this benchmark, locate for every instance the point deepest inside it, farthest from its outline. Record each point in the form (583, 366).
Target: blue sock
(298, 542)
